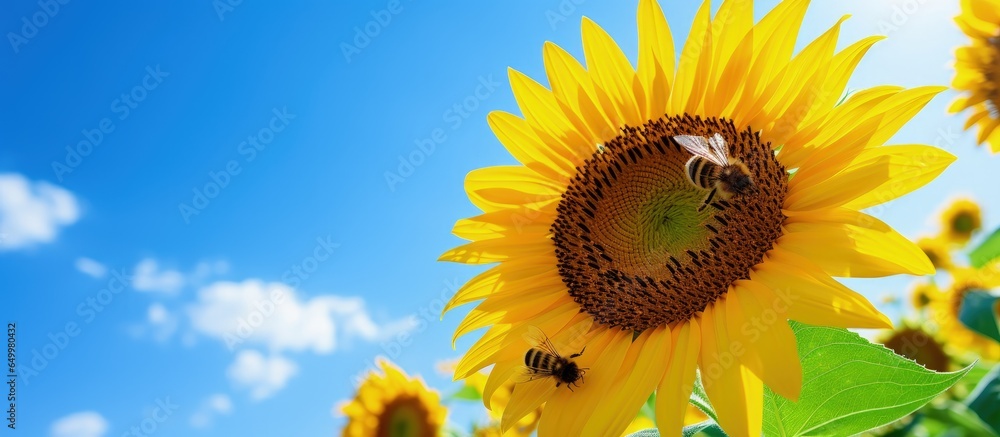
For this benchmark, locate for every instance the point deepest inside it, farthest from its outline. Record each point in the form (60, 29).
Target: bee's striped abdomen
(699, 172)
(538, 359)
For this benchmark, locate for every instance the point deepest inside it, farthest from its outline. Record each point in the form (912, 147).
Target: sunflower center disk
(405, 417)
(633, 247)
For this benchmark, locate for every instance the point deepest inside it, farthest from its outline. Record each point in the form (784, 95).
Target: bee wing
(719, 147)
(528, 374)
(536, 338)
(705, 148)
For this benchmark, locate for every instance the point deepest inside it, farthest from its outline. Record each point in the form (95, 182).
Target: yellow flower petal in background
(977, 69)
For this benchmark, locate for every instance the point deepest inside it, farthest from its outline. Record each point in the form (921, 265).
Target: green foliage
(707, 428)
(466, 393)
(850, 386)
(978, 313)
(954, 420)
(700, 399)
(988, 251)
(985, 399)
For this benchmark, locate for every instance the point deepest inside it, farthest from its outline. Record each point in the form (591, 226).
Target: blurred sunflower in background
(937, 251)
(977, 69)
(946, 308)
(599, 228)
(921, 294)
(913, 341)
(960, 220)
(392, 404)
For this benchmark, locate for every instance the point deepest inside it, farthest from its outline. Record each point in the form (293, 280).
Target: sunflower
(946, 307)
(922, 293)
(960, 220)
(602, 241)
(937, 250)
(392, 404)
(914, 342)
(977, 69)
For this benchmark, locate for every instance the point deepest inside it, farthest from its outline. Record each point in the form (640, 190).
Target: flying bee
(543, 360)
(711, 168)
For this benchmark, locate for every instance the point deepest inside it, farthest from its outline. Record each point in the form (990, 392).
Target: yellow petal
(844, 121)
(612, 71)
(500, 375)
(694, 66)
(731, 83)
(901, 108)
(841, 70)
(986, 128)
(849, 243)
(736, 394)
(496, 348)
(775, 35)
(638, 376)
(766, 344)
(553, 126)
(574, 87)
(656, 57)
(677, 384)
(986, 10)
(522, 142)
(910, 167)
(792, 89)
(791, 283)
(526, 398)
(604, 356)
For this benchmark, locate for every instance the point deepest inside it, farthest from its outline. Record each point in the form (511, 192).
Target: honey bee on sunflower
(603, 224)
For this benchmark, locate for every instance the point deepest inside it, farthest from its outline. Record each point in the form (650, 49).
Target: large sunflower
(946, 306)
(977, 69)
(392, 404)
(599, 228)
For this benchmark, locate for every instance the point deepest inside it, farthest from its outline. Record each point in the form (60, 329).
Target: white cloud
(217, 404)
(162, 322)
(273, 315)
(220, 403)
(83, 424)
(149, 277)
(32, 212)
(206, 269)
(90, 267)
(263, 376)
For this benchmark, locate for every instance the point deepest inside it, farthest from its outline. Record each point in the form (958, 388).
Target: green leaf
(978, 313)
(988, 251)
(985, 399)
(466, 393)
(849, 386)
(959, 420)
(707, 428)
(648, 409)
(700, 399)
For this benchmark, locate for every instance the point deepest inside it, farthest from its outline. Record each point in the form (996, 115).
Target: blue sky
(232, 152)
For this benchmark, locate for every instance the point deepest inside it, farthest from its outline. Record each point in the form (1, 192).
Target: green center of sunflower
(918, 346)
(636, 243)
(405, 417)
